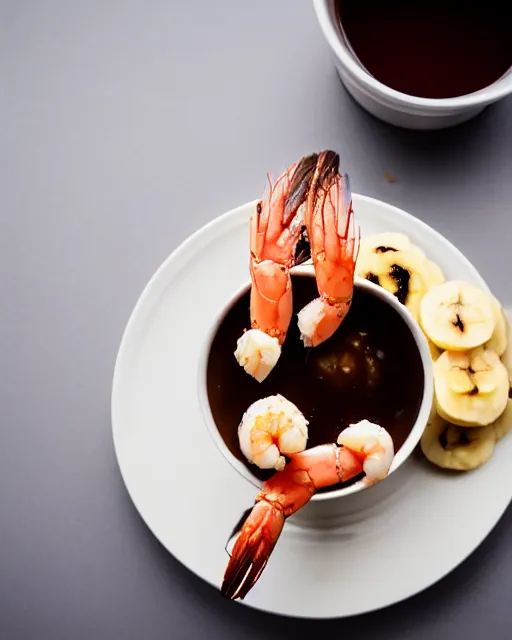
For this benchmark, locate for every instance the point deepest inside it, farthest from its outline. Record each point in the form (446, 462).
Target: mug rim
(417, 428)
(499, 89)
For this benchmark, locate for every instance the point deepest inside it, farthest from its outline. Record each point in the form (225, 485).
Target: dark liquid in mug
(369, 369)
(435, 49)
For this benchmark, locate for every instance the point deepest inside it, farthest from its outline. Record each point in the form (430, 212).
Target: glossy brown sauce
(370, 368)
(435, 49)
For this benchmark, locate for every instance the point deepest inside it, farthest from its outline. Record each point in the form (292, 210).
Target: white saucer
(383, 545)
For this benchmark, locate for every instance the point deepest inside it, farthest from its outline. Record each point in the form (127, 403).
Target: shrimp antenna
(270, 186)
(344, 194)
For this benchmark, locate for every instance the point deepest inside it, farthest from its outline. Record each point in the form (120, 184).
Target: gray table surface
(126, 125)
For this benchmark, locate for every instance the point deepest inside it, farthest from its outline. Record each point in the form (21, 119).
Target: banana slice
(506, 358)
(435, 351)
(384, 242)
(457, 316)
(436, 275)
(498, 341)
(417, 250)
(471, 388)
(433, 410)
(461, 449)
(504, 423)
(404, 273)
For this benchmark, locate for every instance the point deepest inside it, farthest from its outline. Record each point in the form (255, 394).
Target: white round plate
(382, 546)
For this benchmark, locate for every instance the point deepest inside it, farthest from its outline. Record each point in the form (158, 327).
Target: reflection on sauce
(435, 49)
(369, 369)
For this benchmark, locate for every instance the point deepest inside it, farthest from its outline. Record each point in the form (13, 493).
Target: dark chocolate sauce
(369, 369)
(435, 49)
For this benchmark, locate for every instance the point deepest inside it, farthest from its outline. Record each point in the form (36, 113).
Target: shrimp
(278, 241)
(334, 243)
(307, 213)
(361, 448)
(271, 427)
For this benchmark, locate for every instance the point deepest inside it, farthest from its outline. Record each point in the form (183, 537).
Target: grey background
(126, 125)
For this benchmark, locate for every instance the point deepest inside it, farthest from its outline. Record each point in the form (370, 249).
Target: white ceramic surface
(393, 106)
(417, 429)
(379, 547)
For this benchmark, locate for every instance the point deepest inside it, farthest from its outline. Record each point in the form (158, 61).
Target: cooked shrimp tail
(255, 542)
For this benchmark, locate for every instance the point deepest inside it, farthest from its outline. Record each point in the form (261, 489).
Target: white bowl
(393, 106)
(412, 439)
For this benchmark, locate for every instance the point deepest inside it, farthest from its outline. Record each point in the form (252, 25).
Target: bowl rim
(417, 429)
(499, 89)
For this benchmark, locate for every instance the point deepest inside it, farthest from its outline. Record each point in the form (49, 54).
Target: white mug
(392, 106)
